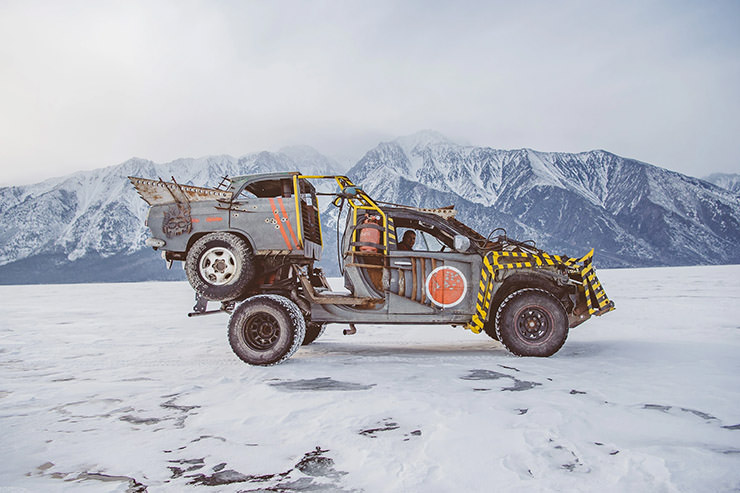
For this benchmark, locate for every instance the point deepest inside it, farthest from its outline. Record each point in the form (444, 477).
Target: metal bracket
(201, 307)
(201, 304)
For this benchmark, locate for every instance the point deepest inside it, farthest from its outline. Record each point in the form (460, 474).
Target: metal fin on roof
(156, 192)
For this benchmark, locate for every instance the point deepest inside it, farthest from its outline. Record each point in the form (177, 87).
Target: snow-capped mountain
(89, 226)
(633, 213)
(728, 181)
(307, 159)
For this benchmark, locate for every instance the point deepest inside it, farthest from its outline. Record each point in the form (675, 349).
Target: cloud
(88, 84)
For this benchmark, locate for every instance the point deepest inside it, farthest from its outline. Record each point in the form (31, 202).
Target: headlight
(154, 242)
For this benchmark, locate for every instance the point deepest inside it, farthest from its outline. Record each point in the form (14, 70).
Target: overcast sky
(87, 84)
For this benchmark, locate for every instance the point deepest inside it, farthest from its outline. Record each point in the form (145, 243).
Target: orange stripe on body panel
(280, 224)
(287, 221)
(214, 219)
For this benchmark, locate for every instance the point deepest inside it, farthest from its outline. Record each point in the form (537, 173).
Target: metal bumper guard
(596, 299)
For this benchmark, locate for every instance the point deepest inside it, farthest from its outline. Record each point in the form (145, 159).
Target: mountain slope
(57, 230)
(728, 181)
(633, 213)
(89, 226)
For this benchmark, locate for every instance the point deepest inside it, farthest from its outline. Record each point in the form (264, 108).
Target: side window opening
(401, 239)
(246, 194)
(431, 243)
(428, 237)
(268, 188)
(287, 188)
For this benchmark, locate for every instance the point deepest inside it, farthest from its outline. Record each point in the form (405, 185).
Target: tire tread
(297, 322)
(227, 292)
(506, 301)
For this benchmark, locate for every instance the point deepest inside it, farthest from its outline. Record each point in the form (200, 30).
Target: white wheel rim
(218, 266)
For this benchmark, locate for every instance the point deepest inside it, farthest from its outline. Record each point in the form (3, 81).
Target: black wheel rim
(261, 331)
(533, 323)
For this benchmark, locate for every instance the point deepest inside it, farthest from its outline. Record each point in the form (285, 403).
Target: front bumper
(597, 302)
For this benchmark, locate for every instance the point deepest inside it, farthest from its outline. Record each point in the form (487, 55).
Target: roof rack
(224, 183)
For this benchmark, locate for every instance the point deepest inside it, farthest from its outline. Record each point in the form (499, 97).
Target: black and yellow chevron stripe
(596, 298)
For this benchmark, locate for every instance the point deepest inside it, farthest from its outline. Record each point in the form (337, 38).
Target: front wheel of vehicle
(266, 329)
(219, 266)
(490, 329)
(532, 322)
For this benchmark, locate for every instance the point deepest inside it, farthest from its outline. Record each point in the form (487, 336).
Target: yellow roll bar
(360, 201)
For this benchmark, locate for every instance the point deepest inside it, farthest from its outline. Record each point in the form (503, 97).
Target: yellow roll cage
(355, 196)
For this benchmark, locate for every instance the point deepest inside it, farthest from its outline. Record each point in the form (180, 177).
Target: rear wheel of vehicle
(313, 332)
(219, 266)
(532, 322)
(266, 330)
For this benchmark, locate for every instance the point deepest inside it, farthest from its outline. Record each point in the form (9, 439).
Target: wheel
(532, 322)
(266, 329)
(490, 328)
(219, 266)
(313, 332)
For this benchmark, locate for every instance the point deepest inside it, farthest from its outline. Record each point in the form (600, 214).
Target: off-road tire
(313, 331)
(490, 328)
(234, 258)
(532, 322)
(266, 329)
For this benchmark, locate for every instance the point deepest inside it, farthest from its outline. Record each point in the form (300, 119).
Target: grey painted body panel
(269, 224)
(469, 266)
(384, 315)
(255, 217)
(404, 308)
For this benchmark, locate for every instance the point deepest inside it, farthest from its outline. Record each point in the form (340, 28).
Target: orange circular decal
(446, 286)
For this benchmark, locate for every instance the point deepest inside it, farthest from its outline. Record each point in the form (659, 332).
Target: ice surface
(112, 388)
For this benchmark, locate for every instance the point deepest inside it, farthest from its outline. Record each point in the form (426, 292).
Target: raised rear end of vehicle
(234, 237)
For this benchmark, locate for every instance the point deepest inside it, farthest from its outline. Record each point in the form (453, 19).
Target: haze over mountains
(729, 181)
(89, 226)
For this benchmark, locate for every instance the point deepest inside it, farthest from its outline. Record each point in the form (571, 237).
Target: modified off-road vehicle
(252, 244)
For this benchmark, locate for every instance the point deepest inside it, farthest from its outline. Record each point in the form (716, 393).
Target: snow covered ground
(112, 388)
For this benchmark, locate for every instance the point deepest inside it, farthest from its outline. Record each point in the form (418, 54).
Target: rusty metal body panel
(158, 192)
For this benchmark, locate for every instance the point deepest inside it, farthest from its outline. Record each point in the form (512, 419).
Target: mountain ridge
(633, 213)
(728, 181)
(638, 210)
